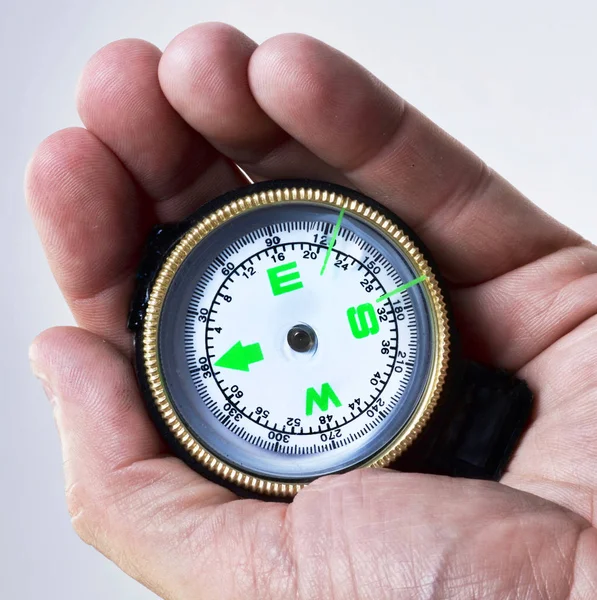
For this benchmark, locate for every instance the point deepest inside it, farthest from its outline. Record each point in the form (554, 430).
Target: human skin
(163, 133)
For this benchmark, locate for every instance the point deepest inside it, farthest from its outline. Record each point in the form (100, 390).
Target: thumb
(126, 496)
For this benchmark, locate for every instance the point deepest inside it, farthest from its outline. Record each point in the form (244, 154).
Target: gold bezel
(183, 248)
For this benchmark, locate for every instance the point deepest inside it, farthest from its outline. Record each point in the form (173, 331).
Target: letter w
(322, 400)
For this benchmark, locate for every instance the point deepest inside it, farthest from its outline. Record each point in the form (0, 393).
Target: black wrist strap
(474, 431)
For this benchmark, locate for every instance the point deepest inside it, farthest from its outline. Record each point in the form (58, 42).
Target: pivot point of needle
(301, 338)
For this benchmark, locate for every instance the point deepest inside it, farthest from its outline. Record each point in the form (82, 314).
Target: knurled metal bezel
(175, 258)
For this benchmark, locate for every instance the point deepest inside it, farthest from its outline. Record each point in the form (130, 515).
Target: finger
(557, 457)
(125, 496)
(89, 216)
(508, 321)
(120, 101)
(477, 225)
(204, 75)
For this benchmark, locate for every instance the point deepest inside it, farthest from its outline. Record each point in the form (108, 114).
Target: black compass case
(482, 413)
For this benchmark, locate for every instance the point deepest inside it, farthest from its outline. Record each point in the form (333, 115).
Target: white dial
(293, 401)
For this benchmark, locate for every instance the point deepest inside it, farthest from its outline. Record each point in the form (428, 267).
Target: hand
(163, 134)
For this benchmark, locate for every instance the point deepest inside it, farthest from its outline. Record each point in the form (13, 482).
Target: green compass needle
(332, 241)
(402, 288)
(239, 357)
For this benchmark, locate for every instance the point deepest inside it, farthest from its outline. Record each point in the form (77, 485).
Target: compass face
(296, 339)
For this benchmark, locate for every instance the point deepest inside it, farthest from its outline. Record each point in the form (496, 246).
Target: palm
(524, 291)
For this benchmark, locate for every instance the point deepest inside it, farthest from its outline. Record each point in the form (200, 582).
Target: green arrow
(239, 357)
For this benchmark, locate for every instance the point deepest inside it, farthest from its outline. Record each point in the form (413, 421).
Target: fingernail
(39, 373)
(48, 391)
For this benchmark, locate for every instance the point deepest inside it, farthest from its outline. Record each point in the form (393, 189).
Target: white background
(514, 80)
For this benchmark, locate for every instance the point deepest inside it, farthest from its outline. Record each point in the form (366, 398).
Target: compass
(291, 330)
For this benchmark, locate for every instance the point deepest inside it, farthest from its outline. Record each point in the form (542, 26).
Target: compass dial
(298, 333)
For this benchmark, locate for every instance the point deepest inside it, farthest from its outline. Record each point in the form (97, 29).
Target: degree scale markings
(259, 262)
